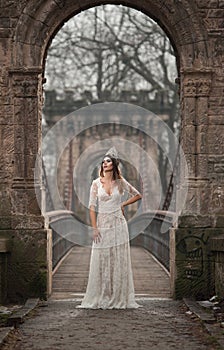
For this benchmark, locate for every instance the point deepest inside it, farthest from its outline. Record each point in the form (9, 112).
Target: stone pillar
(192, 260)
(27, 261)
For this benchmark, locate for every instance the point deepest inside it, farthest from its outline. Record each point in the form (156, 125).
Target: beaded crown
(112, 152)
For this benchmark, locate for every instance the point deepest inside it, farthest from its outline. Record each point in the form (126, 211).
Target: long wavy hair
(116, 172)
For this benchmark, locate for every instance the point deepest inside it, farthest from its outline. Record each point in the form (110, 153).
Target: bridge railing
(155, 237)
(64, 229)
(152, 238)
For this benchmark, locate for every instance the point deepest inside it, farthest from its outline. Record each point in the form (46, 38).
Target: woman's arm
(135, 194)
(92, 215)
(130, 201)
(96, 232)
(92, 211)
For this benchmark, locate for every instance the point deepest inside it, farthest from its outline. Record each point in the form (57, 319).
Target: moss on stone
(38, 285)
(27, 264)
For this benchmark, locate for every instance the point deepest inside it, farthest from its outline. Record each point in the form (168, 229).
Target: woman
(110, 283)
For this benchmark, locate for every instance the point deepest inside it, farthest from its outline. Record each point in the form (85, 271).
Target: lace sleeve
(93, 194)
(132, 191)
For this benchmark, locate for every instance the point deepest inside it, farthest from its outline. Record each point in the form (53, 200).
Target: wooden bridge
(70, 278)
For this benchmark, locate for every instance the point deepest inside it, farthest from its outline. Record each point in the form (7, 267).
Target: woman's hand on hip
(122, 208)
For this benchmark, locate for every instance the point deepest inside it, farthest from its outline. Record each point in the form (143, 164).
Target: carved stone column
(28, 265)
(195, 94)
(27, 94)
(192, 263)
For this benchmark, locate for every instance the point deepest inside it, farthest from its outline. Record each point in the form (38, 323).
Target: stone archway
(29, 27)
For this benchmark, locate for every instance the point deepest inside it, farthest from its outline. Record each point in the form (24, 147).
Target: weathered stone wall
(21, 221)
(195, 28)
(217, 247)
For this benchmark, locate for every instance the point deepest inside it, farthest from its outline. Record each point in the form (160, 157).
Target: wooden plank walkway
(70, 279)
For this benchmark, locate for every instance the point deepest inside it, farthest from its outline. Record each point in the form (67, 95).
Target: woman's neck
(108, 175)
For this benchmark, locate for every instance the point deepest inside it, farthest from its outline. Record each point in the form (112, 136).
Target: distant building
(113, 125)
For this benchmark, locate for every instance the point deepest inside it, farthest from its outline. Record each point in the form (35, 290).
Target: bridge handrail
(60, 245)
(165, 215)
(56, 215)
(152, 239)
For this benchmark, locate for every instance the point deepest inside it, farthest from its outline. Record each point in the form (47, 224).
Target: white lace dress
(110, 283)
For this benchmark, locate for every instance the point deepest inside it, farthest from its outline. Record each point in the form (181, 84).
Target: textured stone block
(217, 246)
(19, 165)
(19, 201)
(202, 111)
(219, 274)
(220, 221)
(194, 221)
(217, 101)
(216, 139)
(197, 86)
(215, 13)
(5, 205)
(31, 141)
(193, 263)
(216, 200)
(19, 138)
(202, 165)
(24, 201)
(216, 119)
(188, 141)
(19, 111)
(180, 27)
(6, 115)
(217, 243)
(7, 139)
(207, 4)
(30, 160)
(204, 193)
(216, 164)
(26, 280)
(4, 245)
(32, 114)
(218, 110)
(5, 222)
(4, 22)
(191, 163)
(27, 221)
(201, 139)
(32, 37)
(27, 263)
(191, 205)
(188, 55)
(25, 85)
(189, 111)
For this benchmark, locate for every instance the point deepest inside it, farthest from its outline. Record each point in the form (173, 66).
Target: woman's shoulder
(123, 180)
(97, 180)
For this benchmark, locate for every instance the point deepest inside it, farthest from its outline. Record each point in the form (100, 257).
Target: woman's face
(107, 164)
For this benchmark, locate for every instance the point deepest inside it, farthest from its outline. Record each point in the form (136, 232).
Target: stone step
(204, 314)
(18, 317)
(4, 333)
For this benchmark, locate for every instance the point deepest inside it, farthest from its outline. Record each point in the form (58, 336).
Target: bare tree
(107, 46)
(109, 49)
